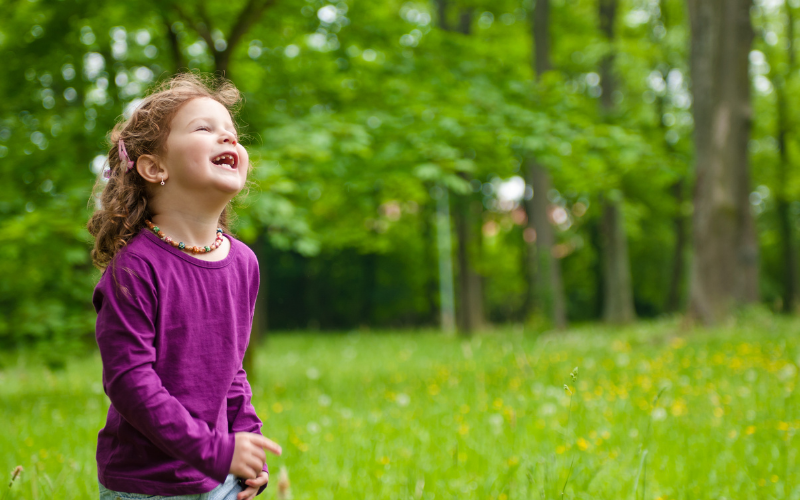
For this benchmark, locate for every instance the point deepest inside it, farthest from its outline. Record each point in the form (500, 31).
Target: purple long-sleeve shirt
(172, 332)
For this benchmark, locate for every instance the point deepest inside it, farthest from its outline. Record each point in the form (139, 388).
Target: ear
(150, 169)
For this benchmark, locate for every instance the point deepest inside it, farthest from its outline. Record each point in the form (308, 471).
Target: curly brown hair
(123, 197)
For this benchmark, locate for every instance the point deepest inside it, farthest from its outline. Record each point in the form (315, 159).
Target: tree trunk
(617, 282)
(546, 292)
(789, 295)
(476, 219)
(441, 9)
(596, 241)
(541, 37)
(175, 46)
(250, 14)
(465, 21)
(431, 261)
(724, 270)
(607, 16)
(618, 286)
(679, 224)
(544, 269)
(444, 252)
(469, 315)
(672, 302)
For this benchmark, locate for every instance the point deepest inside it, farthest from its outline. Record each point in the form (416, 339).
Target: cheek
(244, 157)
(190, 153)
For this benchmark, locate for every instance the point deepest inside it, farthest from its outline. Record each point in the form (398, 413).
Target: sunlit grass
(654, 413)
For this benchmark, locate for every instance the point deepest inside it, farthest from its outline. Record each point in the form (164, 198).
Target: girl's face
(203, 153)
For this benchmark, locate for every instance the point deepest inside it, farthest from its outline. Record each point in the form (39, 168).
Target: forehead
(201, 107)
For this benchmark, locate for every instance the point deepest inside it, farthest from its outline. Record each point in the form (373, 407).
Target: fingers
(249, 456)
(247, 494)
(259, 452)
(269, 445)
(261, 480)
(253, 486)
(253, 467)
(255, 457)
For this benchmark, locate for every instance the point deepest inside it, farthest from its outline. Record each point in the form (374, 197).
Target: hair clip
(123, 154)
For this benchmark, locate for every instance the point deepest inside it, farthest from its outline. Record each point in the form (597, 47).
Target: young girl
(175, 303)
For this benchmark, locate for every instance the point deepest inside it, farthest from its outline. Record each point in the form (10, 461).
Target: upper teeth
(223, 157)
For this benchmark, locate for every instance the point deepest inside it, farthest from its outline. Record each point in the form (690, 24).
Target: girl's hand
(253, 486)
(248, 454)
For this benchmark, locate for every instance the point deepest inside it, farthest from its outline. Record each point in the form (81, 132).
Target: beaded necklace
(181, 245)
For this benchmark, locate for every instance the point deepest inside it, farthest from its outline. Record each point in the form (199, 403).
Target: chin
(229, 183)
(232, 190)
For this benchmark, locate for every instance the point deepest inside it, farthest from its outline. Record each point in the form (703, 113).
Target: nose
(229, 137)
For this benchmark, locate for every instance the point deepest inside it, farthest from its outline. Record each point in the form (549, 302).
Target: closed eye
(207, 129)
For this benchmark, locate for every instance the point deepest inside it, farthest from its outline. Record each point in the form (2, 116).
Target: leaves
(353, 108)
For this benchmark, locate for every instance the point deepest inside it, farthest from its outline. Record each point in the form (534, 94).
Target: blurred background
(448, 164)
(601, 197)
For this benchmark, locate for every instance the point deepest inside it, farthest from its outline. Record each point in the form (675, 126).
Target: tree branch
(203, 29)
(174, 44)
(249, 15)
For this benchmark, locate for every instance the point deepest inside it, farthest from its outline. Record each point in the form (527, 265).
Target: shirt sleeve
(242, 416)
(126, 301)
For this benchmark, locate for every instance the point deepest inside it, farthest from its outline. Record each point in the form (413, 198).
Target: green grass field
(655, 412)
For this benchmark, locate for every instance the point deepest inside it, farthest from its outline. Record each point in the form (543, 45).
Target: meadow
(653, 411)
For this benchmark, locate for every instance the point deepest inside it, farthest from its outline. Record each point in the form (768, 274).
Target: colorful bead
(181, 245)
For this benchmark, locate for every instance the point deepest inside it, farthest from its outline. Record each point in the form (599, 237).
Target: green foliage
(353, 112)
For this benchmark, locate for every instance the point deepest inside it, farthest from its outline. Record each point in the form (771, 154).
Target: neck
(192, 218)
(188, 226)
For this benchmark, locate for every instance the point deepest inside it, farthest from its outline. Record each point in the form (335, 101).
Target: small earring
(162, 180)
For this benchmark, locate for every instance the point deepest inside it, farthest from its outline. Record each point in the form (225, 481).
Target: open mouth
(228, 160)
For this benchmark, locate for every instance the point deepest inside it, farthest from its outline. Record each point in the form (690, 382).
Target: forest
(450, 164)
(507, 249)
